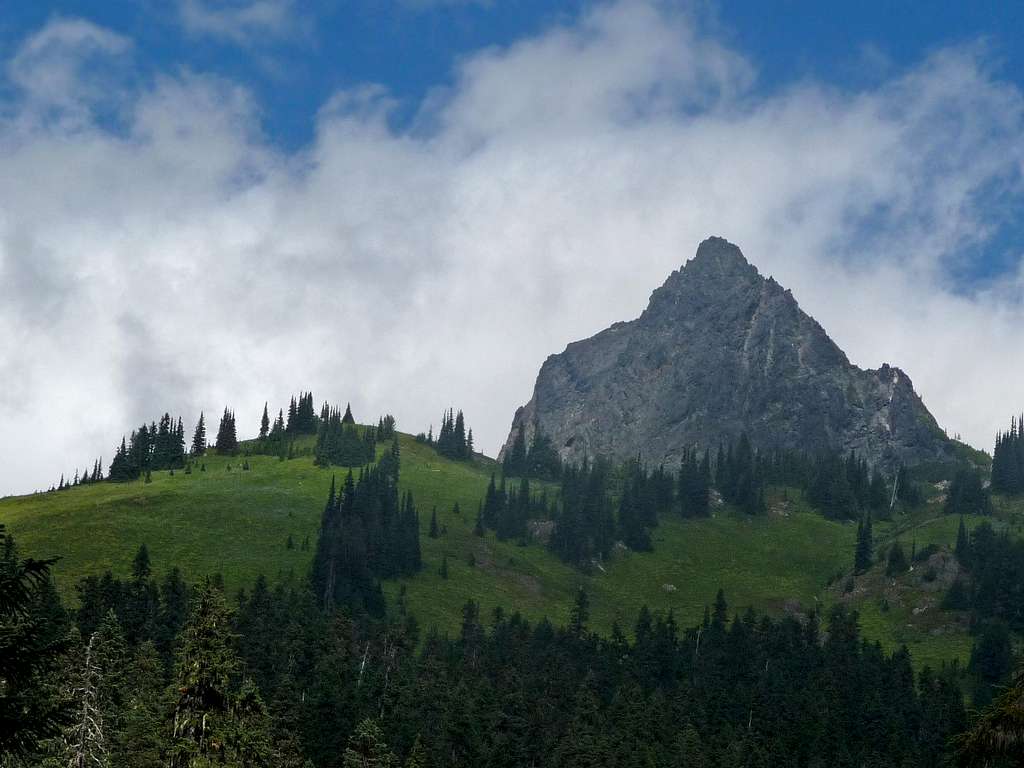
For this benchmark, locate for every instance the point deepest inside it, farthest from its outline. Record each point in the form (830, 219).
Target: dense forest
(150, 672)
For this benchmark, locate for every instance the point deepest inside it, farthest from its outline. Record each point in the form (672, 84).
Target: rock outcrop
(721, 350)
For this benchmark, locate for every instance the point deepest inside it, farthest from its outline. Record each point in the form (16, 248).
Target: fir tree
(212, 723)
(963, 544)
(141, 566)
(367, 748)
(865, 546)
(227, 437)
(265, 424)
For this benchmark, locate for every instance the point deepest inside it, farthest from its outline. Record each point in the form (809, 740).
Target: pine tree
(580, 614)
(514, 462)
(417, 755)
(865, 546)
(478, 527)
(212, 723)
(348, 418)
(433, 523)
(963, 544)
(367, 748)
(265, 424)
(227, 437)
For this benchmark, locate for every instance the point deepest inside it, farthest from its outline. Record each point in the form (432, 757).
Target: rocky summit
(722, 350)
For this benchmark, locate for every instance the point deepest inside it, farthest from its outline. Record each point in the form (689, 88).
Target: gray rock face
(718, 351)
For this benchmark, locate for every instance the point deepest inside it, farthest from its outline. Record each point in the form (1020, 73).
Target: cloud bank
(173, 259)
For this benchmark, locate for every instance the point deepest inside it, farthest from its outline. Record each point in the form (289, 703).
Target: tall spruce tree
(227, 437)
(213, 722)
(265, 423)
(865, 546)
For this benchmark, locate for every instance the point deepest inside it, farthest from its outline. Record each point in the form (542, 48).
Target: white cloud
(48, 68)
(242, 22)
(184, 264)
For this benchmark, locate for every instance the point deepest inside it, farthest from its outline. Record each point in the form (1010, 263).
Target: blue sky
(413, 46)
(409, 205)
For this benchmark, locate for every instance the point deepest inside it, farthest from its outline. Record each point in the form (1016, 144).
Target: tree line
(276, 677)
(1008, 459)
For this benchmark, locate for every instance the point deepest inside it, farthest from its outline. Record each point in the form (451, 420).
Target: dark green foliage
(694, 485)
(368, 749)
(264, 424)
(452, 441)
(348, 418)
(346, 689)
(584, 521)
(963, 544)
(340, 443)
(896, 564)
(302, 419)
(536, 460)
(991, 660)
(153, 447)
(957, 597)
(996, 565)
(908, 493)
(739, 477)
(386, 428)
(214, 721)
(636, 510)
(227, 437)
(966, 495)
(1008, 460)
(514, 461)
(32, 639)
(199, 436)
(433, 533)
(863, 553)
(366, 532)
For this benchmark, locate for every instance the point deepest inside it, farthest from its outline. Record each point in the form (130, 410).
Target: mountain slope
(721, 350)
(237, 523)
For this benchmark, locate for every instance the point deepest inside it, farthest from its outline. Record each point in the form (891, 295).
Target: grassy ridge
(237, 522)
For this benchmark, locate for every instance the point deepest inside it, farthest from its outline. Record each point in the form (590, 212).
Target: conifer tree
(417, 755)
(348, 418)
(433, 523)
(265, 423)
(368, 749)
(865, 546)
(963, 544)
(227, 437)
(478, 527)
(514, 462)
(212, 723)
(87, 740)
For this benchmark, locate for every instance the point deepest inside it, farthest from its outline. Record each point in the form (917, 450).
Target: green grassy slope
(237, 523)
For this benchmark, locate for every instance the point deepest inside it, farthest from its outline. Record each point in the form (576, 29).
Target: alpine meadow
(291, 279)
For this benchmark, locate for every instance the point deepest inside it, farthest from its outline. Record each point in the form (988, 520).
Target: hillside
(237, 523)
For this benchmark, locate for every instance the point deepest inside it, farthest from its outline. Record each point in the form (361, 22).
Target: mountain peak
(718, 259)
(721, 351)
